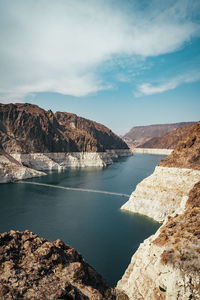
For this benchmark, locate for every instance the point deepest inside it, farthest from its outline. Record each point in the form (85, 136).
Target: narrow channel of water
(92, 223)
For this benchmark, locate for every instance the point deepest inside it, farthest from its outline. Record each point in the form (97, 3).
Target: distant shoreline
(152, 151)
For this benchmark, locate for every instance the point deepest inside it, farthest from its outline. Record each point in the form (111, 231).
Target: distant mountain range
(148, 136)
(27, 128)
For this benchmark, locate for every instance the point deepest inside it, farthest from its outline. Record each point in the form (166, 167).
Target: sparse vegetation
(181, 235)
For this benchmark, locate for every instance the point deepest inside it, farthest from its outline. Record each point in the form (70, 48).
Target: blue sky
(121, 63)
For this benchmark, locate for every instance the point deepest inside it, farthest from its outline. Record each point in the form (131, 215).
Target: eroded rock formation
(27, 128)
(32, 138)
(34, 268)
(166, 265)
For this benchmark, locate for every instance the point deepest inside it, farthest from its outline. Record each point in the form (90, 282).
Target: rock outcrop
(41, 140)
(11, 170)
(166, 266)
(89, 136)
(163, 193)
(34, 268)
(139, 135)
(58, 161)
(27, 128)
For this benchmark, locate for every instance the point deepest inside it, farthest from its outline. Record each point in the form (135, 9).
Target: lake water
(92, 223)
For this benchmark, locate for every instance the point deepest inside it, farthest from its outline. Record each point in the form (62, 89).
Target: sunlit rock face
(11, 171)
(34, 268)
(163, 193)
(27, 128)
(166, 265)
(61, 160)
(41, 140)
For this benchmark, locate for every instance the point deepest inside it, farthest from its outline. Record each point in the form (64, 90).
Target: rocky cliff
(26, 128)
(139, 135)
(32, 138)
(169, 140)
(163, 193)
(166, 266)
(12, 170)
(34, 268)
(187, 152)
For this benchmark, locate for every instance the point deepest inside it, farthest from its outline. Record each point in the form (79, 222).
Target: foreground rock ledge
(166, 266)
(34, 268)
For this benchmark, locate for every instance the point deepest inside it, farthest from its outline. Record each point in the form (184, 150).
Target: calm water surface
(92, 223)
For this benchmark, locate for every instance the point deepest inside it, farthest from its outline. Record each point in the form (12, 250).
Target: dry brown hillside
(187, 152)
(27, 128)
(169, 140)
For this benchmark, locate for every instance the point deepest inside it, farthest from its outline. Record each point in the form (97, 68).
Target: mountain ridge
(27, 128)
(139, 135)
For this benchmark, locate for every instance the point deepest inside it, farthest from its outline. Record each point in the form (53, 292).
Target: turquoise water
(92, 223)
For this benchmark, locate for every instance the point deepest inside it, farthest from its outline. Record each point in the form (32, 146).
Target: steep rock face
(163, 193)
(169, 140)
(167, 188)
(89, 135)
(187, 152)
(166, 266)
(26, 128)
(58, 161)
(141, 134)
(11, 170)
(34, 268)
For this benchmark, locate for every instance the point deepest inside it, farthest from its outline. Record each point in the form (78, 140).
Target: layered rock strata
(11, 171)
(21, 166)
(56, 161)
(34, 268)
(166, 266)
(163, 193)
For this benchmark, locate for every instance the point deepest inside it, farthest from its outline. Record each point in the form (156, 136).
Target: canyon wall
(27, 128)
(166, 265)
(11, 171)
(17, 166)
(163, 193)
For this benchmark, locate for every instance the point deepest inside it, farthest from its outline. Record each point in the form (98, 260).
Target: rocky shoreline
(152, 151)
(163, 193)
(17, 166)
(166, 265)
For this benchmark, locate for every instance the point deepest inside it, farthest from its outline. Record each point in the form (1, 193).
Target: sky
(122, 63)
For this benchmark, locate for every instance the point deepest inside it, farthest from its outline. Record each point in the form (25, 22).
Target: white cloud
(150, 89)
(57, 46)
